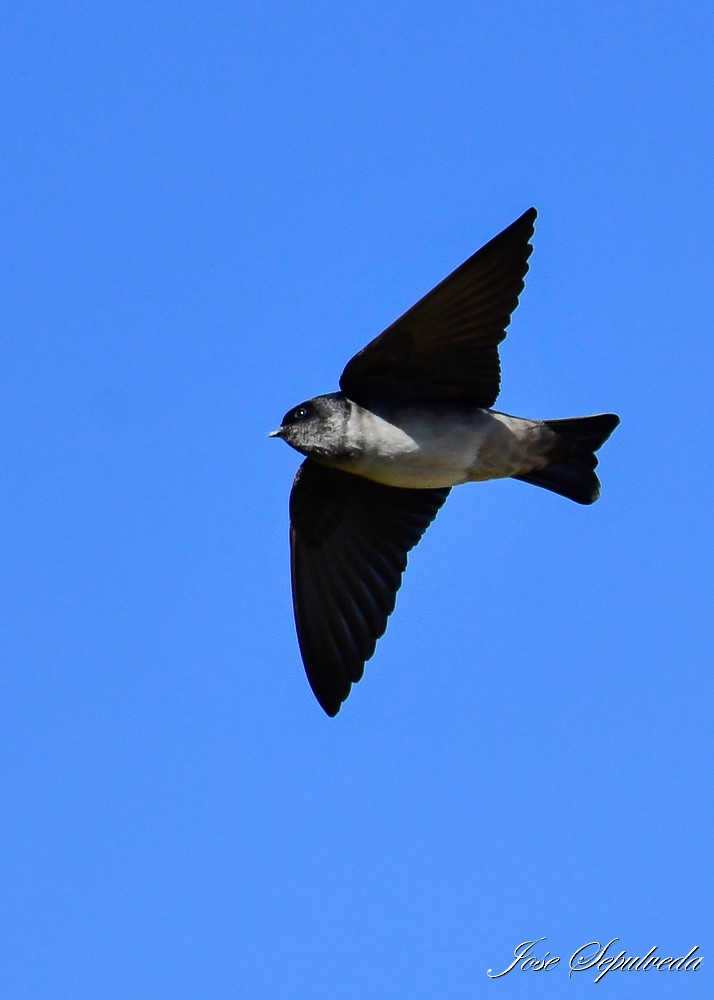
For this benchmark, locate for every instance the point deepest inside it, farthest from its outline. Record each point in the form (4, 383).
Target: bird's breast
(429, 447)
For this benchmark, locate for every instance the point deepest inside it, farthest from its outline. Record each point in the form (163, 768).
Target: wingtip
(330, 703)
(522, 226)
(529, 216)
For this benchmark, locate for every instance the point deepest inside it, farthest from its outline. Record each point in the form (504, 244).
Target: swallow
(413, 418)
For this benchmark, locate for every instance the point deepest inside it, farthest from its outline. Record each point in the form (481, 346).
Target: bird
(413, 418)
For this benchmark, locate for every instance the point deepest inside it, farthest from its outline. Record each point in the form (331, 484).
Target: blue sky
(207, 209)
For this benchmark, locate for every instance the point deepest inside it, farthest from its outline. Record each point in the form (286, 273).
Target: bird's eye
(300, 413)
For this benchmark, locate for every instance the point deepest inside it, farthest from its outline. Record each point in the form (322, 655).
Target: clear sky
(207, 210)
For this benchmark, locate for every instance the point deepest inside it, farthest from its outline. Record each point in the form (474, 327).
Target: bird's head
(316, 427)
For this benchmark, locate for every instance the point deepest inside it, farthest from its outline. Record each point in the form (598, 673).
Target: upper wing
(349, 539)
(446, 346)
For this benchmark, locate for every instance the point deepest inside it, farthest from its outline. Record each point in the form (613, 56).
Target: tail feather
(571, 473)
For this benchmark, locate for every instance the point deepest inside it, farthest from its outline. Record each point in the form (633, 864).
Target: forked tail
(571, 473)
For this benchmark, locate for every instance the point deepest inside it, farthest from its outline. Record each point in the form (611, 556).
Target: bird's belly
(424, 450)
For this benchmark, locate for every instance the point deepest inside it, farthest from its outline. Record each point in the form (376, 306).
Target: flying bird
(413, 418)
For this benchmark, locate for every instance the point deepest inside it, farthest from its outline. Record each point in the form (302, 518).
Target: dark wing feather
(349, 540)
(446, 346)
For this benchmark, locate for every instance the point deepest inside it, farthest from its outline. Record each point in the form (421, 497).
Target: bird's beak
(276, 434)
